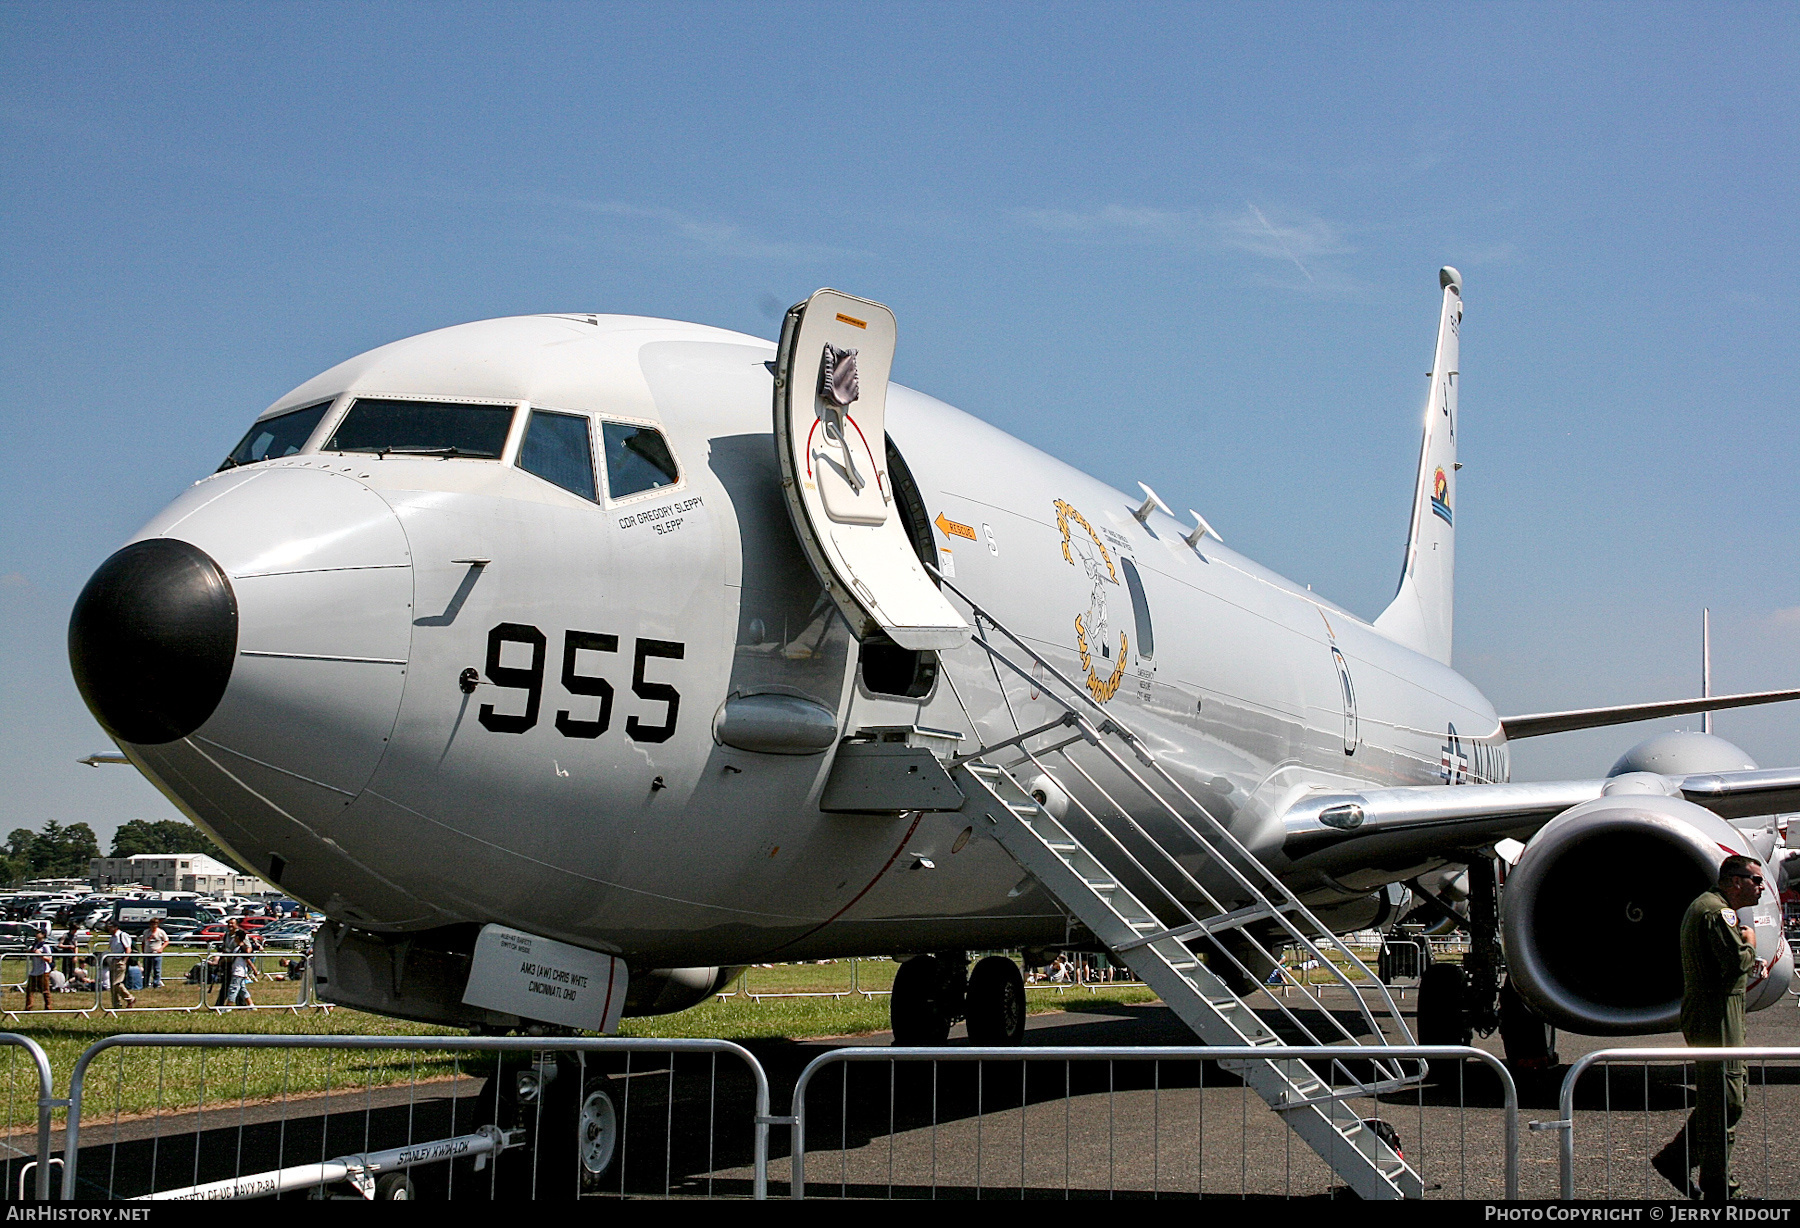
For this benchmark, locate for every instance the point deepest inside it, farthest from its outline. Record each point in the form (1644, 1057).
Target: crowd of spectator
(127, 964)
(1072, 969)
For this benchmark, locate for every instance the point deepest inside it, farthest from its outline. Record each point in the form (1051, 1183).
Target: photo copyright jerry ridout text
(1656, 1213)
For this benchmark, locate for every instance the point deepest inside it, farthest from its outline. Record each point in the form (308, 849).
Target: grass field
(132, 1082)
(741, 1015)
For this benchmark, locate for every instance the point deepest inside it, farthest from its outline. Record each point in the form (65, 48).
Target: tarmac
(1004, 1130)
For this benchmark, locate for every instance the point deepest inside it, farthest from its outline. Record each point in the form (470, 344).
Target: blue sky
(1195, 246)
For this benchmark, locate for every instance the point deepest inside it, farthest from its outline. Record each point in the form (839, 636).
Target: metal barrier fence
(18, 1165)
(1661, 1105)
(1083, 973)
(742, 987)
(192, 978)
(912, 1132)
(551, 1117)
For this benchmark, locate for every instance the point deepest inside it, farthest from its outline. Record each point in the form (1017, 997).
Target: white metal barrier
(179, 963)
(1087, 977)
(742, 989)
(1653, 1185)
(592, 1141)
(35, 1164)
(914, 1171)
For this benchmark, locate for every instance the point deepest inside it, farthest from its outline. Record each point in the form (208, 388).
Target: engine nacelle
(663, 991)
(1591, 913)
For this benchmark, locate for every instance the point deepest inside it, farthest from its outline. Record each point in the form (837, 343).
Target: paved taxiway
(1131, 1131)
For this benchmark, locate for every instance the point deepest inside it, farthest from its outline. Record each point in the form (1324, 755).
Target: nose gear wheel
(598, 1132)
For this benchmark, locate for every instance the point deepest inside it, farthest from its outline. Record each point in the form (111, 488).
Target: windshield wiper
(444, 452)
(231, 462)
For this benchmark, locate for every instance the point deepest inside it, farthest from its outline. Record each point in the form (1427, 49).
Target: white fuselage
(347, 755)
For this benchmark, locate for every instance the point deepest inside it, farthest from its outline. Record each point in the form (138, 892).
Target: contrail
(1280, 242)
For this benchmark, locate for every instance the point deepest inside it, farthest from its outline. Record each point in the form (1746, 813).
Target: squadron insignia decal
(1440, 494)
(1092, 634)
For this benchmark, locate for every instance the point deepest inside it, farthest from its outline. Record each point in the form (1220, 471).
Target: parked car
(18, 935)
(288, 936)
(134, 916)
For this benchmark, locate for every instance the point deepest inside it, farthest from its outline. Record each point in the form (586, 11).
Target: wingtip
(1450, 279)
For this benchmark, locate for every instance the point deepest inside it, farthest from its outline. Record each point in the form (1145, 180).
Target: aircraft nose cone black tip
(152, 640)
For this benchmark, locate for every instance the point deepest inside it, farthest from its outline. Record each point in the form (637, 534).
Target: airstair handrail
(1109, 723)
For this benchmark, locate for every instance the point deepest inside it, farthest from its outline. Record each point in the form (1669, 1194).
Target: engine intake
(1591, 913)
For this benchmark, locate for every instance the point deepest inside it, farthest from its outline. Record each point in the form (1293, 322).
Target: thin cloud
(721, 237)
(1308, 243)
(1294, 238)
(1186, 227)
(1279, 241)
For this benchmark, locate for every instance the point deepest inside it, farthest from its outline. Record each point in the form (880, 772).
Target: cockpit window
(422, 428)
(637, 459)
(558, 449)
(282, 435)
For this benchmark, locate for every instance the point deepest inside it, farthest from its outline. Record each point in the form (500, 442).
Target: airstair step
(1307, 1101)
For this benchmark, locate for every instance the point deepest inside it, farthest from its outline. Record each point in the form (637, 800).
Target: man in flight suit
(1718, 959)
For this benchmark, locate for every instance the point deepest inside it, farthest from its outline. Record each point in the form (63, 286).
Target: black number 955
(595, 719)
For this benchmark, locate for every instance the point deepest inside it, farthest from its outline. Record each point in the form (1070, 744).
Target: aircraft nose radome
(152, 640)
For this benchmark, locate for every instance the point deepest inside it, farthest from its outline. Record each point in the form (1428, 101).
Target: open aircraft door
(831, 378)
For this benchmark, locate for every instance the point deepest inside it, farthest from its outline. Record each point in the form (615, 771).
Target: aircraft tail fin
(1420, 615)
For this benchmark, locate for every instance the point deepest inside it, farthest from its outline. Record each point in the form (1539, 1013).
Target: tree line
(60, 851)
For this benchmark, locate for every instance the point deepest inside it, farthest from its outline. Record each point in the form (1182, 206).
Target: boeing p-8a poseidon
(564, 681)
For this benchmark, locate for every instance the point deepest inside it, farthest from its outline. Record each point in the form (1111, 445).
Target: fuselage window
(422, 428)
(559, 449)
(637, 459)
(1146, 634)
(282, 435)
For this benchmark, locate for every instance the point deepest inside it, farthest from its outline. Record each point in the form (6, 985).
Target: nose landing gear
(597, 1135)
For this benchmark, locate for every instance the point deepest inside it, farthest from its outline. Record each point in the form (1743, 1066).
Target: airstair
(1241, 922)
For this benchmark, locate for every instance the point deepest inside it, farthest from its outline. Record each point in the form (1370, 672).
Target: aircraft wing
(1337, 831)
(1537, 724)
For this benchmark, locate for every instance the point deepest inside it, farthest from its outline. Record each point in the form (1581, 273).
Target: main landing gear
(932, 992)
(1456, 1002)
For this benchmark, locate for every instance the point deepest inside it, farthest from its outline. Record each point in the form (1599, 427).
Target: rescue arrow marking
(951, 529)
